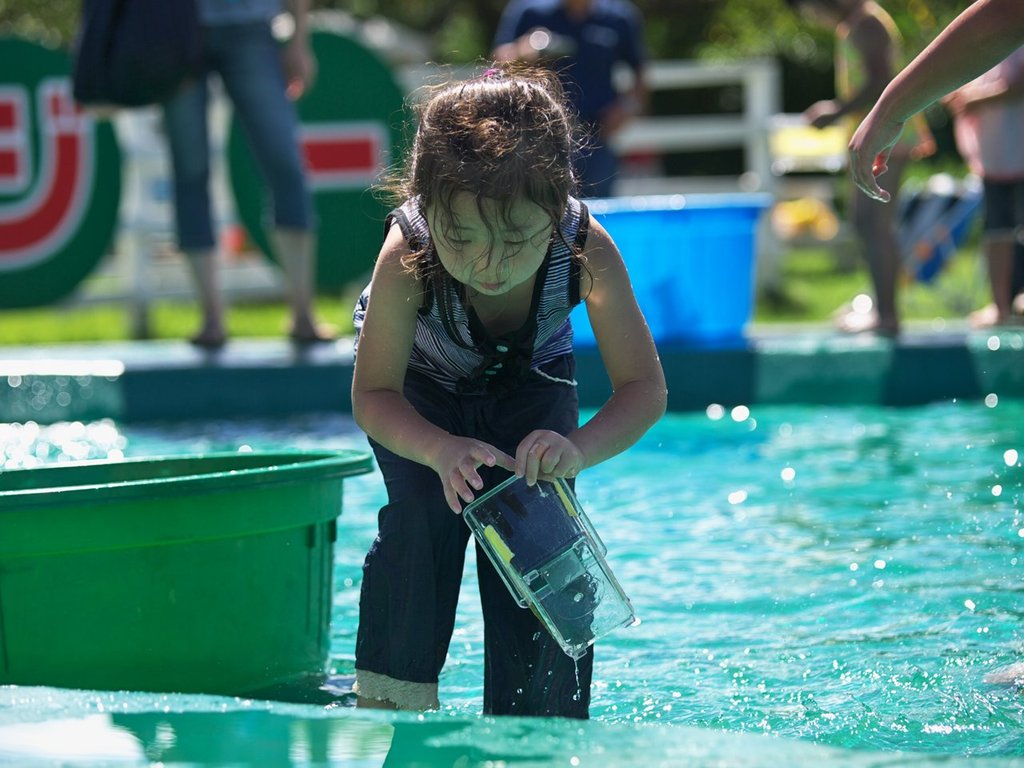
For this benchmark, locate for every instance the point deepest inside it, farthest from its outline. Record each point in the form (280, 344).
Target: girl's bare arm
(639, 393)
(378, 402)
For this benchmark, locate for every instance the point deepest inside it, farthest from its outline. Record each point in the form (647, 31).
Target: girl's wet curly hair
(502, 137)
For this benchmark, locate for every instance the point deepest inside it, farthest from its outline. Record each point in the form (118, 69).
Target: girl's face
(491, 260)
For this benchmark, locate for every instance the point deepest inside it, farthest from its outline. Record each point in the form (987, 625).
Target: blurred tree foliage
(462, 29)
(48, 21)
(768, 28)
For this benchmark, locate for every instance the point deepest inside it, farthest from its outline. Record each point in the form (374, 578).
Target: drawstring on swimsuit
(556, 379)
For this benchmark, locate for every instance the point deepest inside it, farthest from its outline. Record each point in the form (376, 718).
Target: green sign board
(354, 127)
(60, 179)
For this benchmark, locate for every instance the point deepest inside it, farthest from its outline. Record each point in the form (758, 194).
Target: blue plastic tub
(691, 261)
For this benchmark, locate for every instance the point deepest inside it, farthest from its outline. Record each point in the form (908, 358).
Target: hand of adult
(299, 67)
(869, 153)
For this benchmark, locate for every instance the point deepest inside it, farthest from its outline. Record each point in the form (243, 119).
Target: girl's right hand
(456, 464)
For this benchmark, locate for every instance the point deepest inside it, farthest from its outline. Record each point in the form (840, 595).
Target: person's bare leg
(364, 703)
(875, 224)
(883, 256)
(999, 259)
(1009, 675)
(296, 253)
(203, 267)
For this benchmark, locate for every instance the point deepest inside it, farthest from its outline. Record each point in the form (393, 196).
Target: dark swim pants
(413, 571)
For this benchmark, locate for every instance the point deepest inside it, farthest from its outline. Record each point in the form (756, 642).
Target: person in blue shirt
(583, 41)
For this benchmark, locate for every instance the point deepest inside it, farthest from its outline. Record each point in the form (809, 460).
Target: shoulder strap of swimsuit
(578, 244)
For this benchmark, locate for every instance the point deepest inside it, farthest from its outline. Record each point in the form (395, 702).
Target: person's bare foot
(209, 338)
(313, 333)
(986, 317)
(989, 316)
(1018, 304)
(859, 316)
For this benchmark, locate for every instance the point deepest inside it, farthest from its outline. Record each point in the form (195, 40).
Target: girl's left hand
(546, 455)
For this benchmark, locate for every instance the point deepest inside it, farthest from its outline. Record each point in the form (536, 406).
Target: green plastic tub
(205, 574)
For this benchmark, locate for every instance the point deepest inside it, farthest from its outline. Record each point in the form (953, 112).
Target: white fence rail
(761, 98)
(144, 266)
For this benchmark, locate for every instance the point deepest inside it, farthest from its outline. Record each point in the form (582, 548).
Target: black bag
(132, 53)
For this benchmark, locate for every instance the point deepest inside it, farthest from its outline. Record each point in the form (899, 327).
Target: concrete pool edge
(170, 380)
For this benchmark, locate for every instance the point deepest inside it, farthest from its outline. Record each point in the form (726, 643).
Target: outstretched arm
(980, 37)
(874, 45)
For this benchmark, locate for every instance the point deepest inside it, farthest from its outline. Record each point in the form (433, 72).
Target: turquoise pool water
(815, 585)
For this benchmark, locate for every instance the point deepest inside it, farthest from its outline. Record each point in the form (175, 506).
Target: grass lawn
(813, 288)
(168, 320)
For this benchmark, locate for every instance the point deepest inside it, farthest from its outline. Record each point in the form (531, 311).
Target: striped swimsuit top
(452, 346)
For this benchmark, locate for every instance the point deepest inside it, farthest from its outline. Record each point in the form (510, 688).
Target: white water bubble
(997, 490)
(880, 564)
(740, 413)
(737, 497)
(969, 604)
(282, 26)
(1011, 457)
(993, 343)
(862, 303)
(715, 411)
(788, 474)
(992, 400)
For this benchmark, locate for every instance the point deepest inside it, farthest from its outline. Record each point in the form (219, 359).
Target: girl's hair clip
(491, 72)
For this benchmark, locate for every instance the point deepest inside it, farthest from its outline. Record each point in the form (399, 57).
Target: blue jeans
(247, 58)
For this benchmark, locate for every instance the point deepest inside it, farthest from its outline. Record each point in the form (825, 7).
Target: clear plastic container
(551, 559)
